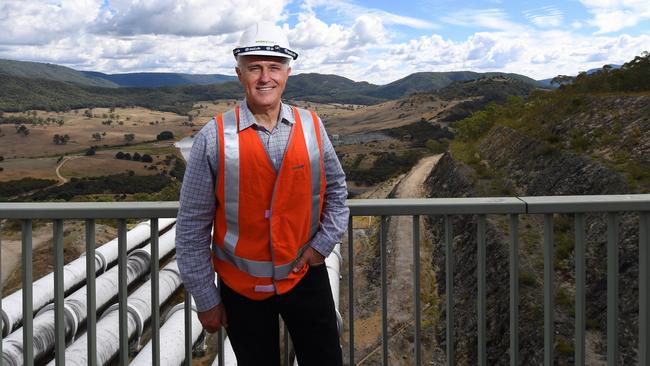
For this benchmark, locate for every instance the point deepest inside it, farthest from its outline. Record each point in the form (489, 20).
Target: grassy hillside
(20, 94)
(157, 79)
(433, 81)
(38, 70)
(330, 89)
(603, 116)
(477, 94)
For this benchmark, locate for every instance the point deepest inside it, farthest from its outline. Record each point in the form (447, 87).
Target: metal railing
(481, 207)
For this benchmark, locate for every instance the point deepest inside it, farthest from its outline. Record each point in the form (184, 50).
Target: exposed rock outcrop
(532, 168)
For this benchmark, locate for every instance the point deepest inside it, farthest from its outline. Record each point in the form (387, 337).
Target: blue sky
(376, 41)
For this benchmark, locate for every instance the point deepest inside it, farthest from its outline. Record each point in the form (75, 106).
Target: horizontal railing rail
(612, 205)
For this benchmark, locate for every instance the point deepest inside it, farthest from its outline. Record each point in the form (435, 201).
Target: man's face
(264, 79)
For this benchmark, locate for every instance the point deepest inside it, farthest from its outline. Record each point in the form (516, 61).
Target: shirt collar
(246, 118)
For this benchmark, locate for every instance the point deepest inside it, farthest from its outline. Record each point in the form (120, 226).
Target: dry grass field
(36, 155)
(389, 114)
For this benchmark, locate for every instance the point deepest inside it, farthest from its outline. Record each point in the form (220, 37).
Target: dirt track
(400, 281)
(400, 232)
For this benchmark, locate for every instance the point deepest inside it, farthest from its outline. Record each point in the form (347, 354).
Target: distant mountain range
(32, 85)
(36, 70)
(157, 79)
(417, 82)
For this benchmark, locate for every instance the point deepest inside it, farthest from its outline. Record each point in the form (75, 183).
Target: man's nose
(265, 75)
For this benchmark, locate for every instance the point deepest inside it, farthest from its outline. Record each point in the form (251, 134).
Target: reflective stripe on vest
(258, 268)
(264, 269)
(231, 188)
(314, 160)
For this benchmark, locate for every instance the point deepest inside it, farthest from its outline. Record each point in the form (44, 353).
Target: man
(266, 178)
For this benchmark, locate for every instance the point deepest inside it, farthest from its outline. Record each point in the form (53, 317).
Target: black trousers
(308, 312)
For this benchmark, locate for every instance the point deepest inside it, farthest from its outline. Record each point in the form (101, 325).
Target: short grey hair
(285, 60)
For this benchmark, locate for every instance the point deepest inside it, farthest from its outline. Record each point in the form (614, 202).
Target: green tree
(22, 130)
(165, 135)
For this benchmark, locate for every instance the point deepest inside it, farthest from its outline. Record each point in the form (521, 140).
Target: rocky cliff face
(533, 168)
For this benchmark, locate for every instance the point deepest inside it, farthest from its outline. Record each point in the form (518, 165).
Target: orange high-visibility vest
(264, 220)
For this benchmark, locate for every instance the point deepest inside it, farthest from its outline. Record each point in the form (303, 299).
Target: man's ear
(288, 70)
(238, 71)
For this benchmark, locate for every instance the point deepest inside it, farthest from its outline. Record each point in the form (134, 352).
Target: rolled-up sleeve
(334, 219)
(195, 219)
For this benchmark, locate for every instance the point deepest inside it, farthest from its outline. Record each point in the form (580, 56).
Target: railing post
(580, 289)
(1, 332)
(514, 290)
(122, 293)
(549, 300)
(416, 287)
(188, 328)
(449, 264)
(91, 316)
(59, 323)
(351, 287)
(155, 291)
(481, 300)
(644, 288)
(221, 356)
(612, 289)
(384, 289)
(28, 315)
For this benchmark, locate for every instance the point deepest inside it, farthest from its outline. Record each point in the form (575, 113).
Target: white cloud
(186, 18)
(360, 44)
(311, 32)
(40, 22)
(367, 30)
(535, 54)
(483, 18)
(349, 10)
(547, 16)
(615, 15)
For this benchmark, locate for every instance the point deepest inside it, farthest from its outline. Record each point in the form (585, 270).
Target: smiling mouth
(266, 88)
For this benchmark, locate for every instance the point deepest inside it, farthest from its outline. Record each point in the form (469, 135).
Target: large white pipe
(172, 332)
(75, 306)
(74, 274)
(139, 310)
(333, 263)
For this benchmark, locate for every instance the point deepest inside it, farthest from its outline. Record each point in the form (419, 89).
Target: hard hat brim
(276, 51)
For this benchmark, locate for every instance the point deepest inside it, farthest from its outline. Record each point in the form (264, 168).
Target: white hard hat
(266, 39)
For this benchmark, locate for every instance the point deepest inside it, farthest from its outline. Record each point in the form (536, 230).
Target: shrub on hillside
(111, 184)
(146, 158)
(137, 156)
(119, 155)
(16, 187)
(165, 135)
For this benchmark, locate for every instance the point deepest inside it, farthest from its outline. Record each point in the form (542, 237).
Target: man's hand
(309, 256)
(214, 318)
